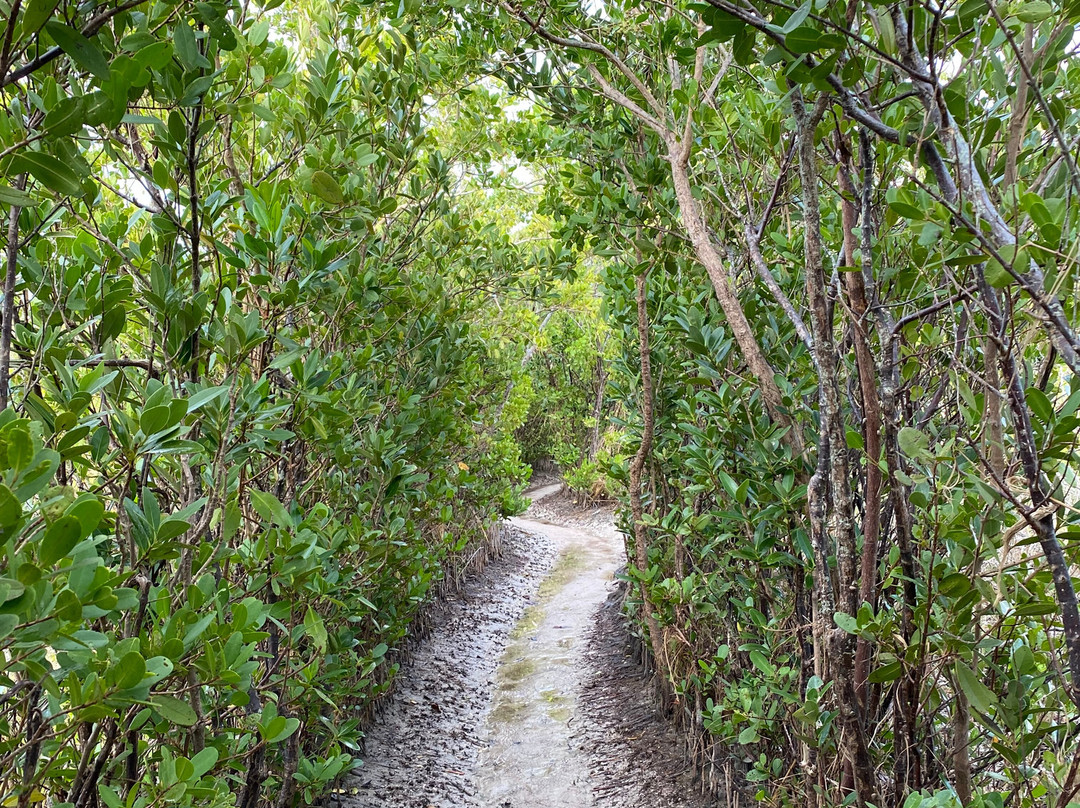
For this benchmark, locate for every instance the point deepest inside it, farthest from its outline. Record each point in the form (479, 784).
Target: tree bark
(598, 404)
(195, 232)
(753, 246)
(841, 515)
(8, 313)
(871, 526)
(707, 254)
(637, 466)
(679, 148)
(1041, 517)
(970, 186)
(1019, 117)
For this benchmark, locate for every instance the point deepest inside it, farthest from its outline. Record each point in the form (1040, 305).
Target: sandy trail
(537, 684)
(525, 694)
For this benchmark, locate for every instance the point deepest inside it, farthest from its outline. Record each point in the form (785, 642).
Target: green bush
(249, 412)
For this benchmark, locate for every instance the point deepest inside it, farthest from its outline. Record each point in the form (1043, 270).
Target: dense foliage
(247, 388)
(841, 280)
(290, 289)
(566, 373)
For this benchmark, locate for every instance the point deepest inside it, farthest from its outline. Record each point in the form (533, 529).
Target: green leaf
(177, 127)
(155, 55)
(1024, 659)
(8, 623)
(743, 46)
(1013, 257)
(728, 483)
(1034, 11)
(101, 109)
(204, 397)
(803, 40)
(286, 729)
(174, 710)
(997, 275)
(195, 631)
(158, 668)
(171, 528)
(256, 34)
(83, 52)
(66, 118)
(196, 89)
(272, 726)
(13, 196)
(203, 762)
(313, 625)
(742, 492)
(187, 48)
(146, 120)
(20, 447)
(59, 540)
(10, 507)
(846, 622)
(51, 172)
(902, 203)
(853, 439)
(130, 670)
(886, 673)
(954, 585)
(42, 468)
(10, 589)
(112, 323)
(184, 769)
(88, 510)
(1040, 404)
(798, 16)
(990, 495)
(887, 33)
(761, 663)
(270, 508)
(748, 735)
(327, 188)
(154, 419)
(109, 796)
(913, 442)
(979, 695)
(68, 606)
(37, 14)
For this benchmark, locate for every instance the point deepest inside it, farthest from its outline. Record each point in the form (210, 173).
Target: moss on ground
(559, 714)
(566, 568)
(530, 621)
(511, 673)
(517, 663)
(507, 711)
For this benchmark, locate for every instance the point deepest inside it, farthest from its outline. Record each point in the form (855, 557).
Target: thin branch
(620, 98)
(594, 47)
(90, 29)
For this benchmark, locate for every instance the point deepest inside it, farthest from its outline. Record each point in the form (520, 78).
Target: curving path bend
(513, 701)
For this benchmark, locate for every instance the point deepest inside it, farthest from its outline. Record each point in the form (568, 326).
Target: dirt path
(538, 682)
(525, 695)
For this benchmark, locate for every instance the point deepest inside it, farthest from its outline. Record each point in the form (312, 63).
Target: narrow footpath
(525, 694)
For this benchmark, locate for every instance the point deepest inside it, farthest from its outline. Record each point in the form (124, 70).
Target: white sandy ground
(517, 697)
(529, 730)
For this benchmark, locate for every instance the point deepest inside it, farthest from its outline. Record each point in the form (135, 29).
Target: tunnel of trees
(294, 293)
